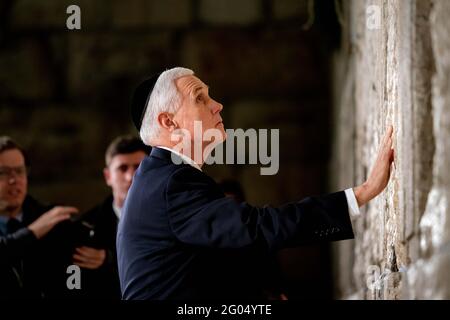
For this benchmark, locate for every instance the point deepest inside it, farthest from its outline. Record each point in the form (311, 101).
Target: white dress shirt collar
(183, 157)
(116, 210)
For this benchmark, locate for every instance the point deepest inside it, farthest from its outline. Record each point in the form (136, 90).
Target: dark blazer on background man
(179, 237)
(97, 228)
(31, 267)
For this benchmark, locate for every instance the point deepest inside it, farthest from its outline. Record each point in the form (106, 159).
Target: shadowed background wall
(65, 94)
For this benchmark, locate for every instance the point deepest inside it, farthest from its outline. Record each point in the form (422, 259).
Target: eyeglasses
(7, 172)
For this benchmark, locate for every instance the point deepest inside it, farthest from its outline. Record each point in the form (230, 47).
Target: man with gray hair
(180, 237)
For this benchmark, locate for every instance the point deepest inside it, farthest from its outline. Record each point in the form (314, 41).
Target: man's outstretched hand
(379, 176)
(41, 226)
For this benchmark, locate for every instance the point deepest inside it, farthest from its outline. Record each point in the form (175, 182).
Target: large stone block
(428, 278)
(97, 61)
(153, 13)
(26, 72)
(255, 63)
(52, 14)
(290, 9)
(391, 71)
(230, 12)
(302, 131)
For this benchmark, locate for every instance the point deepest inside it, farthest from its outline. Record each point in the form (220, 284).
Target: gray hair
(164, 98)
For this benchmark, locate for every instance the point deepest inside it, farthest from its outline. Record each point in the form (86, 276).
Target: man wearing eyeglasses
(27, 251)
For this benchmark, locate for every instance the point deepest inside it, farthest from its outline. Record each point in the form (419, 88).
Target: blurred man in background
(96, 250)
(32, 257)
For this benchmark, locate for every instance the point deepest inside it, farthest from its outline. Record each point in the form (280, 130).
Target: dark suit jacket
(97, 228)
(180, 237)
(32, 268)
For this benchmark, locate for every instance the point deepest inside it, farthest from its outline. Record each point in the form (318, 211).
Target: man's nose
(129, 174)
(12, 179)
(217, 106)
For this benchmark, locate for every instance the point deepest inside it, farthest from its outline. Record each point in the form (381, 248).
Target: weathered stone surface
(402, 231)
(435, 223)
(428, 279)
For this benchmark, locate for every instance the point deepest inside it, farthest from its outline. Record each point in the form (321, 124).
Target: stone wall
(395, 70)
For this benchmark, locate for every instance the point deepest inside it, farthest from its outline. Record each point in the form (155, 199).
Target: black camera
(83, 232)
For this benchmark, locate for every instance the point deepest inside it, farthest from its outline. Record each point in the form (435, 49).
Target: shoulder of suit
(33, 207)
(187, 169)
(187, 174)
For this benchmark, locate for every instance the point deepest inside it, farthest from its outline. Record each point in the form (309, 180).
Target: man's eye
(199, 98)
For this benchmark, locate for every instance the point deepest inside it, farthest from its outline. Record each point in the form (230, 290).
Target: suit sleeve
(200, 214)
(16, 244)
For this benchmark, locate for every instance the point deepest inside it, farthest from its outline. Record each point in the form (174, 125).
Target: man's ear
(107, 176)
(165, 120)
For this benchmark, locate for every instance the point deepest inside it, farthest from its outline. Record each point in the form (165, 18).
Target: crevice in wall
(396, 80)
(424, 146)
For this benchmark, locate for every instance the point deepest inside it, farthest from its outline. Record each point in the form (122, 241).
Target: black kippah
(140, 99)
